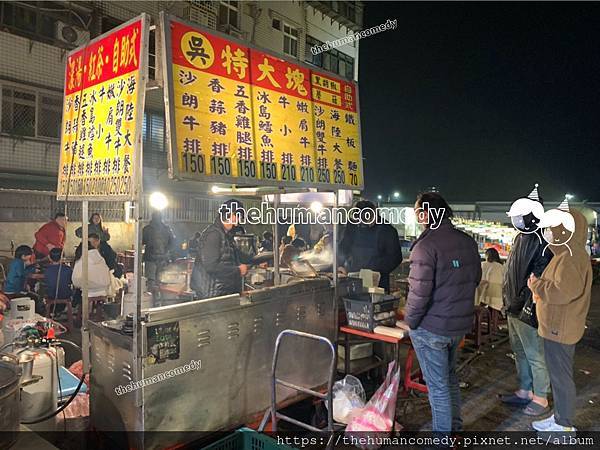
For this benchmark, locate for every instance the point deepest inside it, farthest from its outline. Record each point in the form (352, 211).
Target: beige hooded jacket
(563, 291)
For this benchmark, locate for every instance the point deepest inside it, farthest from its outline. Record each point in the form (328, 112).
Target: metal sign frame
(165, 20)
(140, 104)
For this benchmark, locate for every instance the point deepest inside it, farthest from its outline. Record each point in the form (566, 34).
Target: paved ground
(494, 372)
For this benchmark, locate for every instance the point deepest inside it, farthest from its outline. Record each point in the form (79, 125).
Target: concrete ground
(494, 372)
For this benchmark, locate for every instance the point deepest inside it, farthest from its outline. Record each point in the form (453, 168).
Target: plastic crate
(360, 311)
(246, 439)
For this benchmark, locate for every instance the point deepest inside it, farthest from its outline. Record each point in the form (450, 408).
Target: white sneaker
(543, 425)
(556, 428)
(550, 425)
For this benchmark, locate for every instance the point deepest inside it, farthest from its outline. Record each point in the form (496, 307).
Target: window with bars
(153, 132)
(229, 13)
(290, 40)
(30, 112)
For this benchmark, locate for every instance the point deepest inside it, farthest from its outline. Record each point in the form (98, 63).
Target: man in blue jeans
(445, 269)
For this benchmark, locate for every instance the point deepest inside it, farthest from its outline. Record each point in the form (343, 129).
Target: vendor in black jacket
(218, 269)
(371, 245)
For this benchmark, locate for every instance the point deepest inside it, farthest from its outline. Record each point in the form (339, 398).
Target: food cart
(199, 365)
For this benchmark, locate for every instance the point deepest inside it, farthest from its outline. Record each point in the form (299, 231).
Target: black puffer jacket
(376, 248)
(445, 270)
(216, 270)
(525, 257)
(159, 241)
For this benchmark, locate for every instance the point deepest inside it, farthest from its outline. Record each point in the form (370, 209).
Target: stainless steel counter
(232, 340)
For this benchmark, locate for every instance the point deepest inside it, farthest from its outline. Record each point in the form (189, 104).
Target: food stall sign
(103, 109)
(238, 114)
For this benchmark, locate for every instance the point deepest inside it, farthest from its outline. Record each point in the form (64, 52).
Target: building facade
(35, 38)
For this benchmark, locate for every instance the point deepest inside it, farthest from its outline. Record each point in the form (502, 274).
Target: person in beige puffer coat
(562, 296)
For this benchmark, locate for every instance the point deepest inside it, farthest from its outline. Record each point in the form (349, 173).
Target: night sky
(482, 100)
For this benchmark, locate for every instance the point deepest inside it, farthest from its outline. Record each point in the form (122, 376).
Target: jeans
(437, 359)
(559, 358)
(529, 357)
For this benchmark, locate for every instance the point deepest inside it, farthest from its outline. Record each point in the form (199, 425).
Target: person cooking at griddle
(371, 245)
(218, 267)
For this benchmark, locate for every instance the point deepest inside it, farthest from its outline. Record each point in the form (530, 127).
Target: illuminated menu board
(102, 115)
(238, 115)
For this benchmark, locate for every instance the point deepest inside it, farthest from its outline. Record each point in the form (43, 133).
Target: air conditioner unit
(71, 35)
(231, 30)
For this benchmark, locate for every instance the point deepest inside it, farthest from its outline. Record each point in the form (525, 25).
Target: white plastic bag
(377, 418)
(348, 395)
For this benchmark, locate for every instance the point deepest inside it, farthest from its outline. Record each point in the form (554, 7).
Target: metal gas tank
(10, 416)
(40, 398)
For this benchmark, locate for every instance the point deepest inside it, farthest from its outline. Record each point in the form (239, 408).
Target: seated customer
(99, 276)
(489, 291)
(106, 251)
(57, 279)
(18, 270)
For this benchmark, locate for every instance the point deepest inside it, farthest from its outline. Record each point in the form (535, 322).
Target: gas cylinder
(40, 398)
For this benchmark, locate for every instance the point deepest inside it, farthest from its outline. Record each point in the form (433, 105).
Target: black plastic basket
(360, 311)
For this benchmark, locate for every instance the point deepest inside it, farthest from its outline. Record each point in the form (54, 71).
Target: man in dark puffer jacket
(218, 269)
(445, 269)
(526, 256)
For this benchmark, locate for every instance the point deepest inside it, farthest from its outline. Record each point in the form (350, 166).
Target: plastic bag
(79, 407)
(378, 415)
(348, 395)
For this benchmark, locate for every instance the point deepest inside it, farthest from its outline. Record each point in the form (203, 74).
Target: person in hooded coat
(562, 294)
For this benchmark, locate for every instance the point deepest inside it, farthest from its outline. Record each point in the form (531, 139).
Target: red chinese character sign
(102, 115)
(238, 115)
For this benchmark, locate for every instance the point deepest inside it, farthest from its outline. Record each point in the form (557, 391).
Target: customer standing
(445, 270)
(562, 295)
(50, 235)
(526, 256)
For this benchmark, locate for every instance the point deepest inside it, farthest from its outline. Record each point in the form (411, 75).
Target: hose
(61, 408)
(6, 345)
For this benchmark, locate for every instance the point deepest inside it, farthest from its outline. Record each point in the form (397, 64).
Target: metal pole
(139, 189)
(276, 239)
(335, 247)
(137, 312)
(85, 304)
(335, 278)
